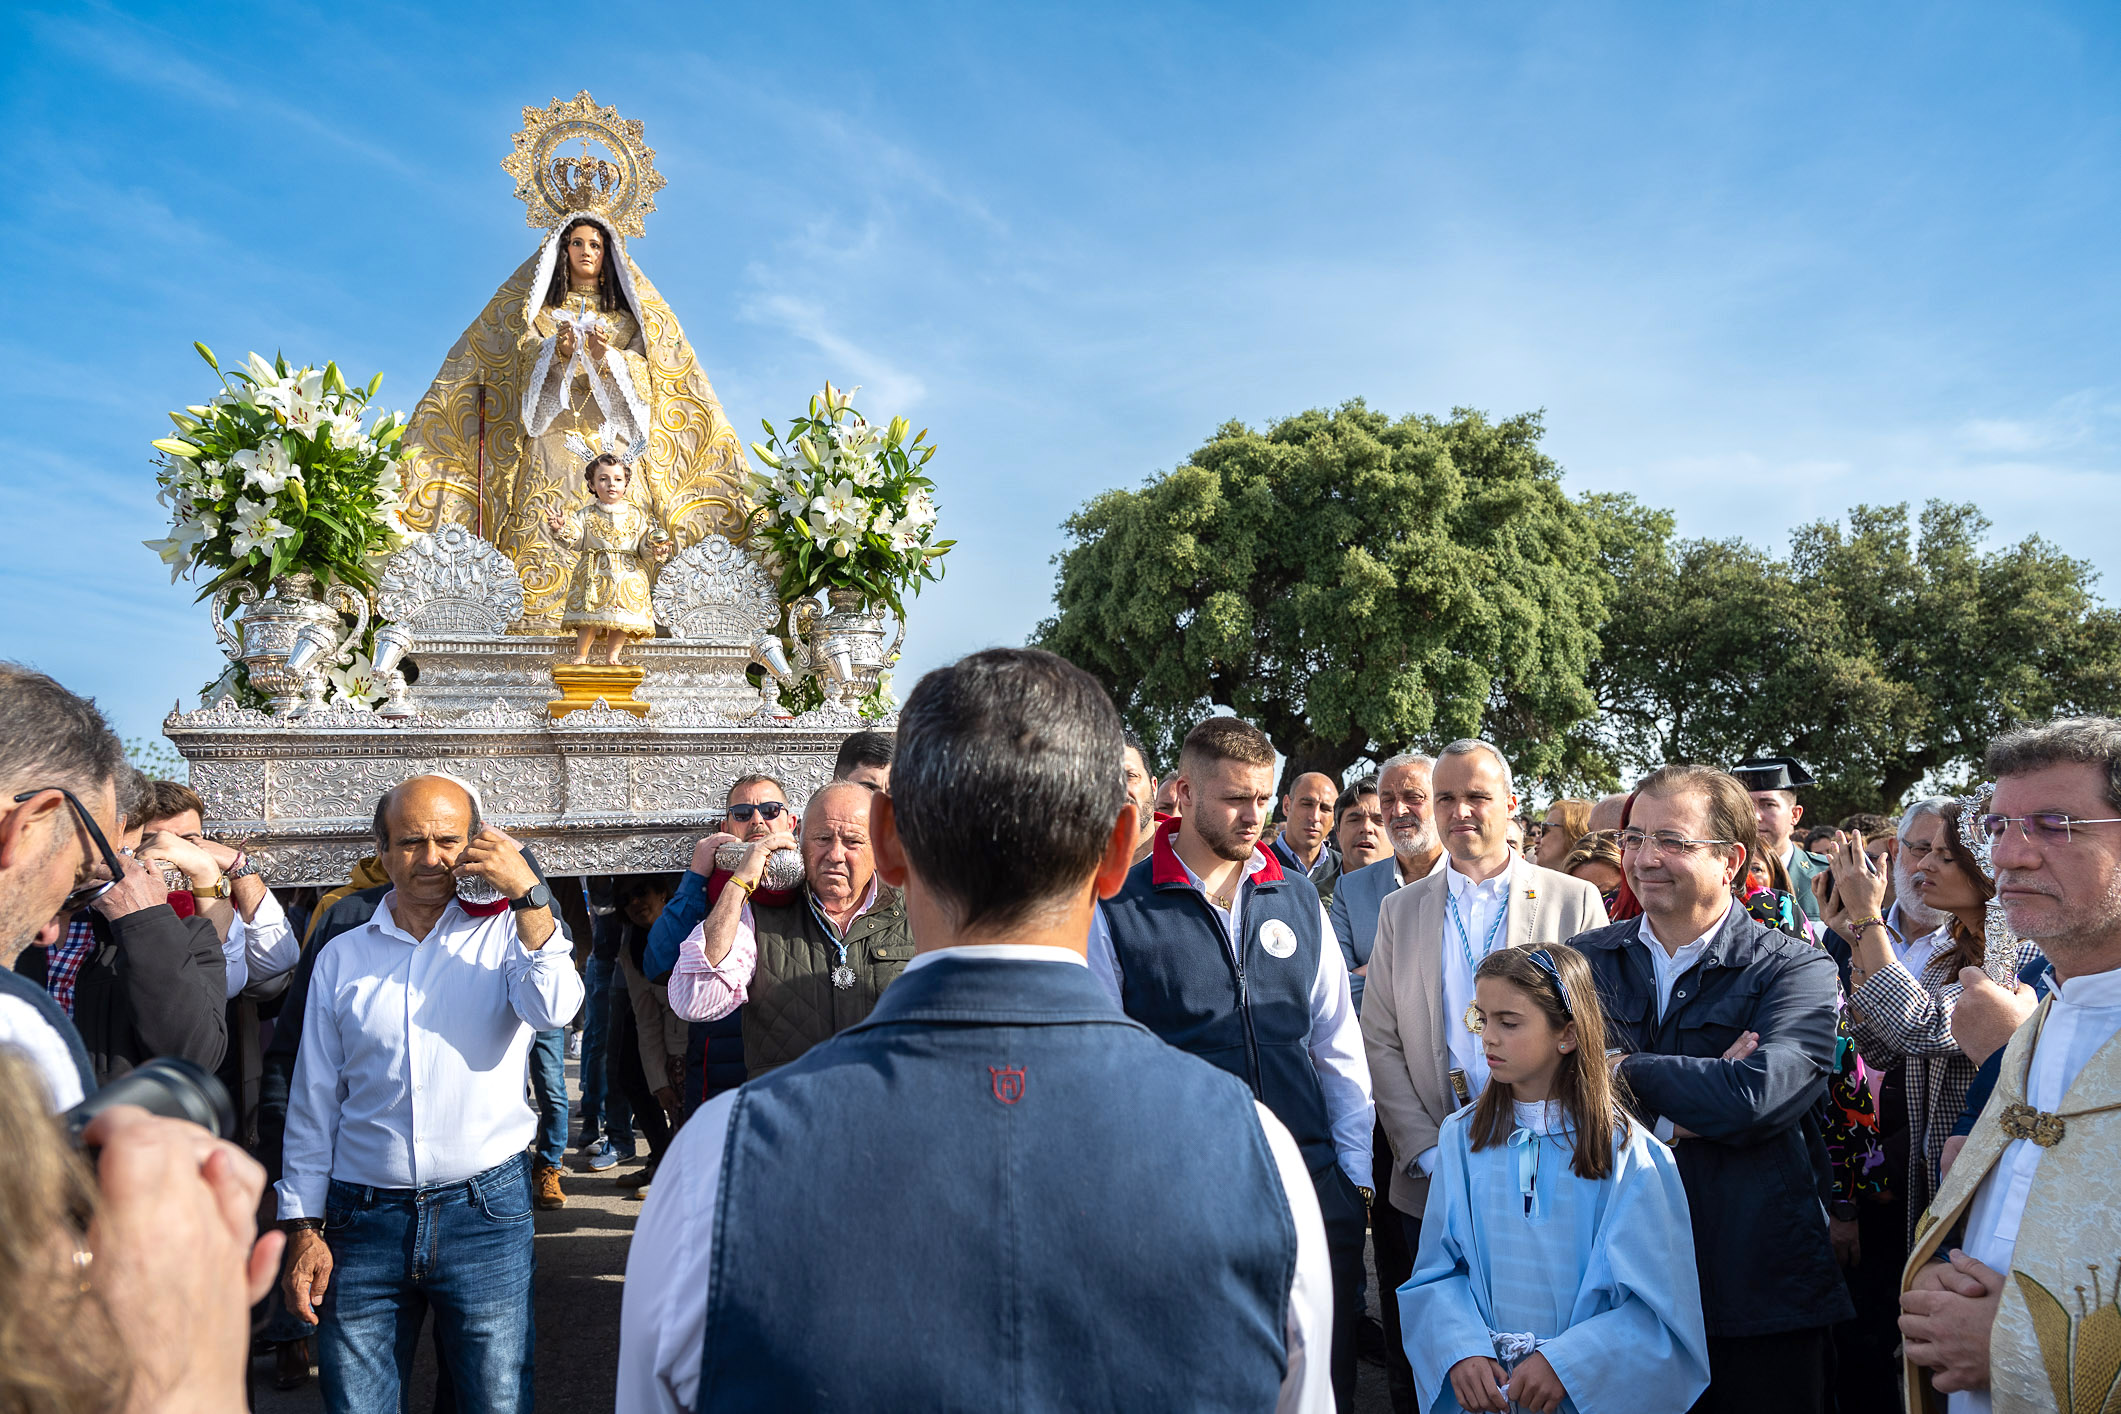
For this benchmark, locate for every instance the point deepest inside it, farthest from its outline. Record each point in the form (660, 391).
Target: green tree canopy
(1350, 583)
(1881, 654)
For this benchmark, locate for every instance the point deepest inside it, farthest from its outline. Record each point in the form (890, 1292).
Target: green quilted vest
(792, 1003)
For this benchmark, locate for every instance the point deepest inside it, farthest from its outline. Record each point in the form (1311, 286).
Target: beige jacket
(1402, 1003)
(659, 1032)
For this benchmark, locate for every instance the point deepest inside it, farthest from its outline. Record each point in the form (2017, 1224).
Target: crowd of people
(1006, 1071)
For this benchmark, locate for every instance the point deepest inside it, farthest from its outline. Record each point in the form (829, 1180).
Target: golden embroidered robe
(2056, 1342)
(609, 586)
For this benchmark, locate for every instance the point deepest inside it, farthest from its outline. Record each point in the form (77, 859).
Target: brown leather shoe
(545, 1186)
(290, 1364)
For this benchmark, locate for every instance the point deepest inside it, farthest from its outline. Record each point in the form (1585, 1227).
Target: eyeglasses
(1665, 841)
(2046, 827)
(94, 889)
(765, 810)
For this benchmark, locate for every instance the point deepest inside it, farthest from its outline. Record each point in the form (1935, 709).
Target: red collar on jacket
(1166, 868)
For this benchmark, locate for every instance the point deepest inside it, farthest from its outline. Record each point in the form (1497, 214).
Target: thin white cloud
(886, 384)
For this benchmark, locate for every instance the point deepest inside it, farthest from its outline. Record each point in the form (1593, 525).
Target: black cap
(1771, 773)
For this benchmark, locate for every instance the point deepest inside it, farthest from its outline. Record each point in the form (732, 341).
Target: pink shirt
(702, 991)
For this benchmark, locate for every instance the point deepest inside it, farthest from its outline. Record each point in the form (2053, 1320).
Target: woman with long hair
(1902, 991)
(1557, 1256)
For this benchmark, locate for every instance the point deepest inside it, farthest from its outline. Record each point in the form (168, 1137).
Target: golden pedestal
(582, 684)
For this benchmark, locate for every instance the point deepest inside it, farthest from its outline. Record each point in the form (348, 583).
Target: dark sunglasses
(765, 810)
(89, 892)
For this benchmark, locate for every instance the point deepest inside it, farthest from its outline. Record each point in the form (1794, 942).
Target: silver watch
(248, 868)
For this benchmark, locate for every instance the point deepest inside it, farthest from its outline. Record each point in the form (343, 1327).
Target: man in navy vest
(1217, 948)
(995, 1191)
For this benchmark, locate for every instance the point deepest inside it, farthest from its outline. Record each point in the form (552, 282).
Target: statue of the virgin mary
(575, 342)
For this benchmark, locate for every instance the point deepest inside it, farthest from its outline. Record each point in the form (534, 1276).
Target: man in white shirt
(1079, 1215)
(406, 1186)
(2034, 1199)
(257, 941)
(1224, 952)
(1431, 935)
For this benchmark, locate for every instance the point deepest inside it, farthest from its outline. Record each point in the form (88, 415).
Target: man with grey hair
(1403, 796)
(807, 965)
(136, 980)
(1431, 937)
(2036, 1192)
(60, 766)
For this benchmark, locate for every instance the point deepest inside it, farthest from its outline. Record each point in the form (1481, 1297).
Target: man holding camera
(405, 1182)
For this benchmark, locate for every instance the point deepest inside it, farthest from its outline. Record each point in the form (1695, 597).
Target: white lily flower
(267, 467)
(839, 505)
(356, 684)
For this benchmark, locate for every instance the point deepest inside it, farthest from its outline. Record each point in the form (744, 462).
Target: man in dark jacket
(1723, 1031)
(148, 982)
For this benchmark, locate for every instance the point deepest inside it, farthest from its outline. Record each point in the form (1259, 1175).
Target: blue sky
(1757, 262)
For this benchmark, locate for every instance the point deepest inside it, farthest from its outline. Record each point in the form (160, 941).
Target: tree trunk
(1325, 757)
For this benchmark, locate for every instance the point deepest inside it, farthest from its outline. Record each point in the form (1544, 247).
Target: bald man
(1307, 815)
(406, 1183)
(810, 963)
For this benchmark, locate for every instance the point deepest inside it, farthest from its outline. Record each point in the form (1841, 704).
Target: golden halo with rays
(555, 186)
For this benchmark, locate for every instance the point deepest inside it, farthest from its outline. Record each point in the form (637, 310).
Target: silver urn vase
(846, 644)
(286, 641)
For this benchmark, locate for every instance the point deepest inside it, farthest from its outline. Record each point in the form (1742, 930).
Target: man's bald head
(1308, 812)
(421, 794)
(422, 826)
(1605, 815)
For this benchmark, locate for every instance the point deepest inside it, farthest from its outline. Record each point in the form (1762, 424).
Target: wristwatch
(219, 888)
(536, 896)
(245, 867)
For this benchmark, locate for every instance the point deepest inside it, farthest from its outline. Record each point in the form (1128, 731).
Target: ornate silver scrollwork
(715, 592)
(450, 584)
(241, 592)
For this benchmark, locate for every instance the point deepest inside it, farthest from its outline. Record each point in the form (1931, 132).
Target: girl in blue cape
(1556, 1269)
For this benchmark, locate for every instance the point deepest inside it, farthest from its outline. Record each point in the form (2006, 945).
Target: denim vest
(997, 1193)
(1249, 1014)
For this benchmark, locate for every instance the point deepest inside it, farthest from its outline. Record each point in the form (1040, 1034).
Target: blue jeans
(462, 1250)
(548, 1082)
(596, 1029)
(618, 1109)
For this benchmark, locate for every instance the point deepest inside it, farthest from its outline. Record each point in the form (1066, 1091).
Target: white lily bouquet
(277, 474)
(847, 506)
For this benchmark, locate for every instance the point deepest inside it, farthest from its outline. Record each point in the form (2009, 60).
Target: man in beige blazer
(1431, 935)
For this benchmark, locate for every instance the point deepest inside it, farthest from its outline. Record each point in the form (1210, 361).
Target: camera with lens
(169, 1086)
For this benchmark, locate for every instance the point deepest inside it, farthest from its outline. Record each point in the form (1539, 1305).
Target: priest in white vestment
(2024, 1314)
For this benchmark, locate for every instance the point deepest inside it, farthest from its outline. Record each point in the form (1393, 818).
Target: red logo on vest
(1008, 1083)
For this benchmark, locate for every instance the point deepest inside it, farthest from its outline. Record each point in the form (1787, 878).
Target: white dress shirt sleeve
(1104, 962)
(543, 987)
(701, 991)
(235, 968)
(24, 1027)
(1307, 1384)
(670, 1268)
(267, 941)
(313, 1100)
(1337, 1054)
